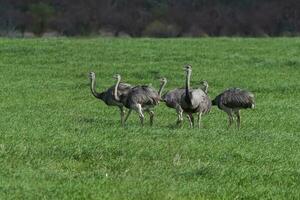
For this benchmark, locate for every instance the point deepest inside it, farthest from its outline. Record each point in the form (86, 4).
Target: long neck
(205, 89)
(187, 85)
(116, 90)
(93, 89)
(162, 86)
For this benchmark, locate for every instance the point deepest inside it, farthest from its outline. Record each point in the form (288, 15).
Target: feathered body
(188, 100)
(142, 98)
(172, 98)
(232, 100)
(196, 101)
(147, 96)
(108, 96)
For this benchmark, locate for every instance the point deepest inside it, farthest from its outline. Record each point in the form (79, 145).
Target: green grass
(58, 142)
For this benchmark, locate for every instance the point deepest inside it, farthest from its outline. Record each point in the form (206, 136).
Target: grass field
(58, 142)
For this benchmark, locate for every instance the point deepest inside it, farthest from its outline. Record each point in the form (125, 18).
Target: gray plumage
(172, 98)
(145, 95)
(107, 96)
(188, 100)
(232, 100)
(143, 98)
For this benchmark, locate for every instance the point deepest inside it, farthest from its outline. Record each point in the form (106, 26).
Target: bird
(193, 100)
(232, 101)
(204, 85)
(142, 98)
(108, 96)
(172, 98)
(188, 100)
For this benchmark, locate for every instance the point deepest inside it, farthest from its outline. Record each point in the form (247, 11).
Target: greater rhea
(108, 96)
(188, 100)
(193, 100)
(142, 98)
(173, 99)
(232, 101)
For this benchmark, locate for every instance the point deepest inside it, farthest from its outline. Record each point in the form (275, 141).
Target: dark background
(154, 18)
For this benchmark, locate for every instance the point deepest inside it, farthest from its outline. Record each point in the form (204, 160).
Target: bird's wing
(123, 89)
(144, 95)
(173, 97)
(152, 95)
(237, 98)
(200, 101)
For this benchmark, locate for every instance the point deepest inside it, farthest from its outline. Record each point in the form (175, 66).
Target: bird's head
(204, 83)
(92, 75)
(117, 76)
(187, 68)
(163, 80)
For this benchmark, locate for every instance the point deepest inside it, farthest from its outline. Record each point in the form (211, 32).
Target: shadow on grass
(202, 171)
(95, 121)
(173, 126)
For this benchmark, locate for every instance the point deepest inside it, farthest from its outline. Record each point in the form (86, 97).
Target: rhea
(173, 99)
(189, 101)
(232, 101)
(108, 96)
(141, 98)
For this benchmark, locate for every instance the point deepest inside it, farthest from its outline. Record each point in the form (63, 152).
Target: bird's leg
(122, 112)
(237, 113)
(199, 119)
(140, 112)
(191, 119)
(129, 112)
(230, 118)
(179, 114)
(151, 113)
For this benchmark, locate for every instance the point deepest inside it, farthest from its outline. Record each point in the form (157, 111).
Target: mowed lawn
(59, 142)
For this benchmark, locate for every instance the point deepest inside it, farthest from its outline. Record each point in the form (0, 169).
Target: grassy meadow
(59, 142)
